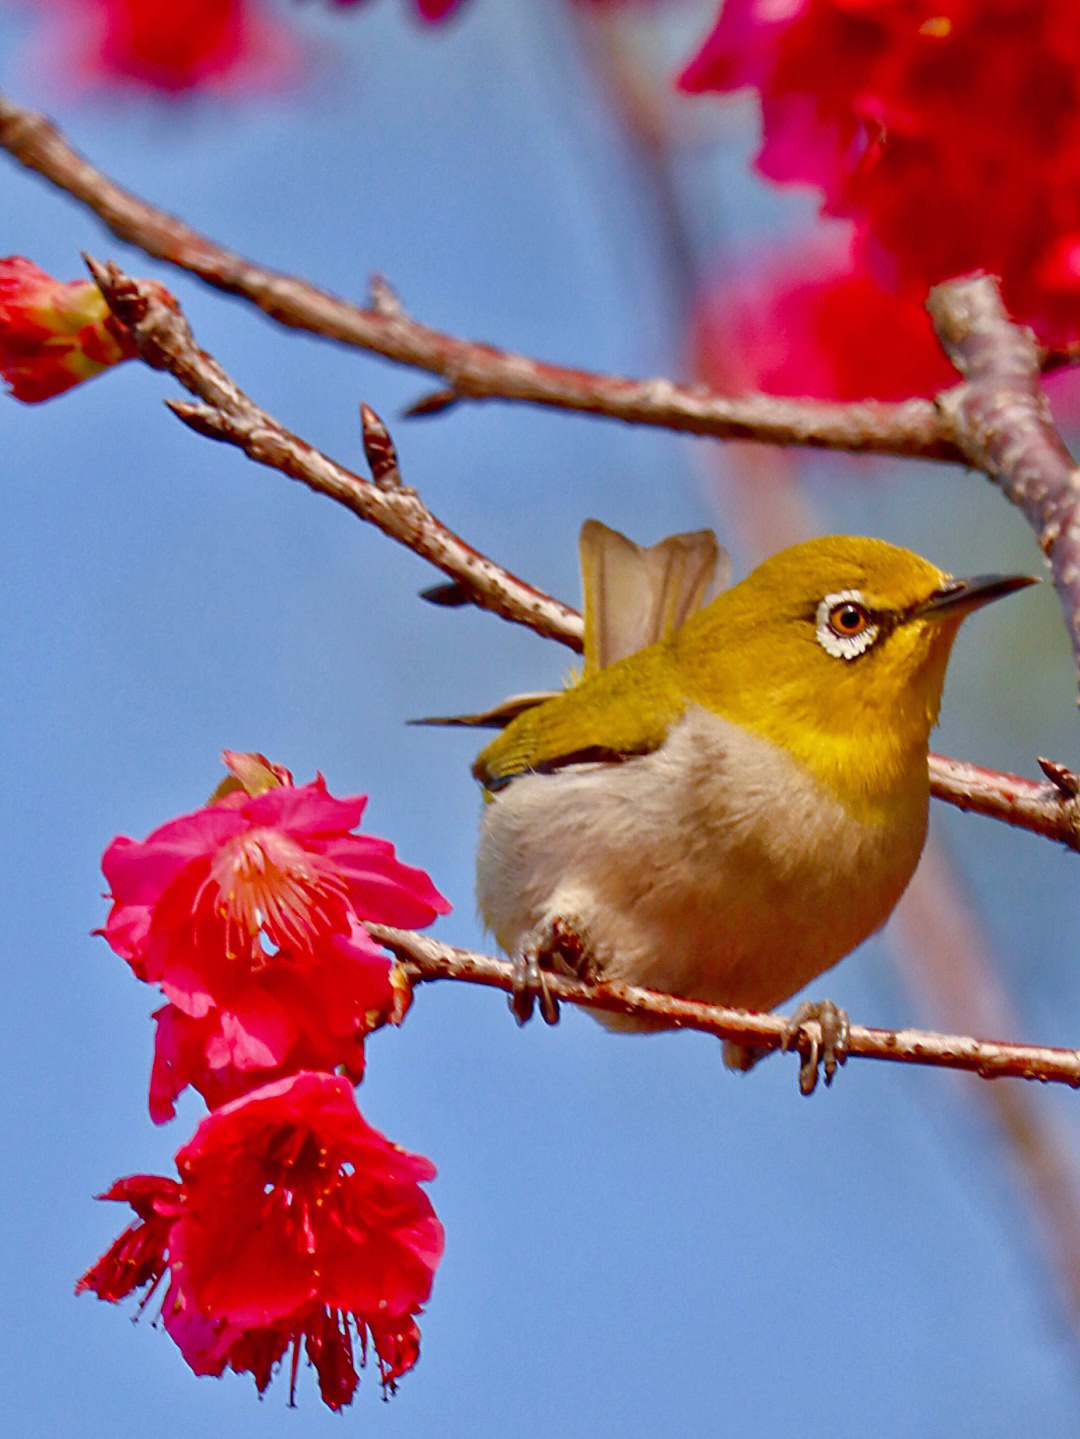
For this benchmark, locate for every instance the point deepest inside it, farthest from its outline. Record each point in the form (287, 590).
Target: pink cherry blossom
(294, 1225)
(249, 914)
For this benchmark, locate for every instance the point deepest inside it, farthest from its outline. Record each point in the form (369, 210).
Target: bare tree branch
(999, 417)
(165, 342)
(467, 369)
(1051, 809)
(425, 959)
(997, 420)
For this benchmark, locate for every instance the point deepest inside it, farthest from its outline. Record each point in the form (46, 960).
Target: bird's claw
(530, 985)
(556, 947)
(819, 1031)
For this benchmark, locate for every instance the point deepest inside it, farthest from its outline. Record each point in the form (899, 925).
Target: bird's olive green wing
(620, 712)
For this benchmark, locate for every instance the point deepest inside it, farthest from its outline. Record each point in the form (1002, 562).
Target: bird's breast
(716, 867)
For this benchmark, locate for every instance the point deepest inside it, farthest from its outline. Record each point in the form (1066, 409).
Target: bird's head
(836, 649)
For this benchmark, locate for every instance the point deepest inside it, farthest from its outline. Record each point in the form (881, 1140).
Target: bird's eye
(848, 618)
(846, 627)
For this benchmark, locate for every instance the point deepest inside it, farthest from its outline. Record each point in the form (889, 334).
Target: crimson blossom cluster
(294, 1225)
(944, 135)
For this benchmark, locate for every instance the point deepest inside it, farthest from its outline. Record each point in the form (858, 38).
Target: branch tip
(383, 298)
(379, 450)
(451, 595)
(1065, 780)
(121, 292)
(203, 419)
(433, 403)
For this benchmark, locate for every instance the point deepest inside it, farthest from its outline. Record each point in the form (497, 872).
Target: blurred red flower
(170, 47)
(53, 333)
(249, 915)
(807, 321)
(948, 131)
(294, 1223)
(430, 10)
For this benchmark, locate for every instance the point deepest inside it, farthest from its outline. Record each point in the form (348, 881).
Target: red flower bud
(54, 334)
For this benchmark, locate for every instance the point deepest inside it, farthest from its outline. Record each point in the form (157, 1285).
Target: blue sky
(637, 1241)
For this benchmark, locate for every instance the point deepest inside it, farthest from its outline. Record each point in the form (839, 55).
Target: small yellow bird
(726, 811)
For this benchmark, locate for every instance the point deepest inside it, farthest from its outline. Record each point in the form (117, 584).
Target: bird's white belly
(715, 868)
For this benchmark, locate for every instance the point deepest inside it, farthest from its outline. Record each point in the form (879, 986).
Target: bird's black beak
(963, 596)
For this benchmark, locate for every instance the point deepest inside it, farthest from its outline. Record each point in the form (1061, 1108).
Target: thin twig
(999, 417)
(1043, 808)
(425, 959)
(165, 342)
(468, 369)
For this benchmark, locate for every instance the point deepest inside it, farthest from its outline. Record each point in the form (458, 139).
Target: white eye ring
(843, 645)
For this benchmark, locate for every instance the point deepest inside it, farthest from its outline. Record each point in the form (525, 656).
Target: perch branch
(467, 369)
(426, 959)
